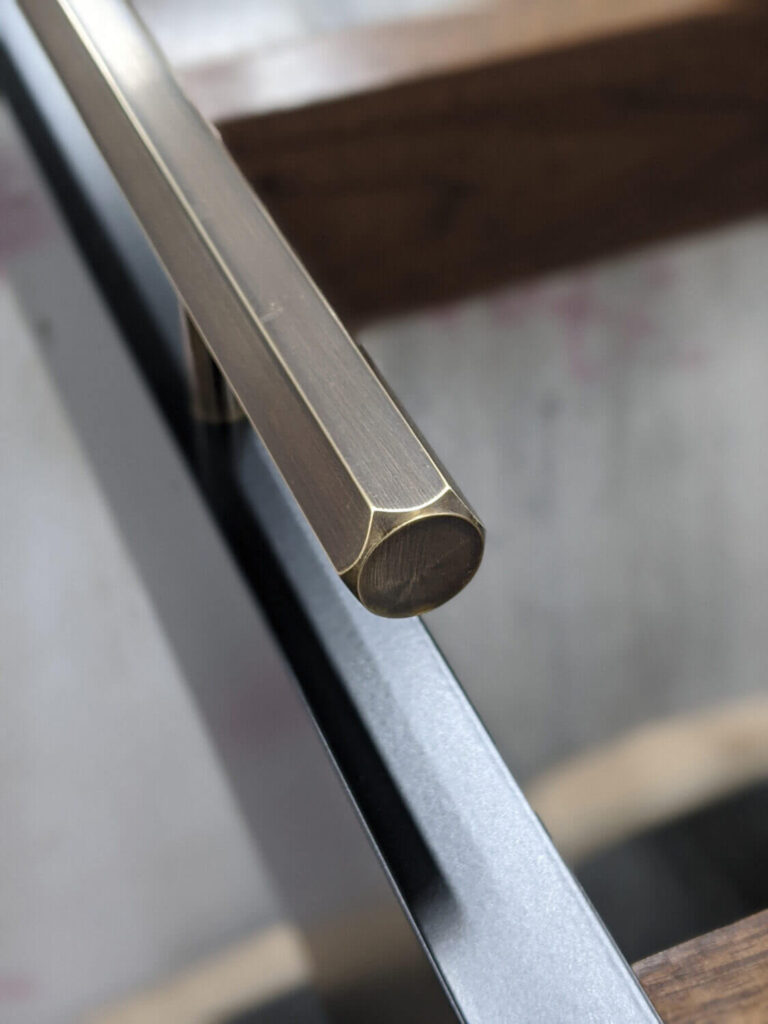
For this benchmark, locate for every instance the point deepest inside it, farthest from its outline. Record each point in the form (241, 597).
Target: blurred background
(605, 415)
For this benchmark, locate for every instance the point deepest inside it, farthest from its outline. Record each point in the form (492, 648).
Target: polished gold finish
(394, 527)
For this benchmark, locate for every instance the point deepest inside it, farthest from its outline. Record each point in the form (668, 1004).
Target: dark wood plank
(719, 978)
(510, 155)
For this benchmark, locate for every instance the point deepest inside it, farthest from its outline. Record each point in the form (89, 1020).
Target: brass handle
(395, 528)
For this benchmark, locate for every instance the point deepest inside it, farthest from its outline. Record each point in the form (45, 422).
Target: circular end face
(420, 565)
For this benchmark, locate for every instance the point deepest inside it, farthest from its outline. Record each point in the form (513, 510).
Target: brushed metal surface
(395, 528)
(212, 400)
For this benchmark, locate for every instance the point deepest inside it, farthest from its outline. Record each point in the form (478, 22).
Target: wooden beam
(445, 157)
(719, 978)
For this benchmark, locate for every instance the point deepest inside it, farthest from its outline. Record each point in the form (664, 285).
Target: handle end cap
(419, 564)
